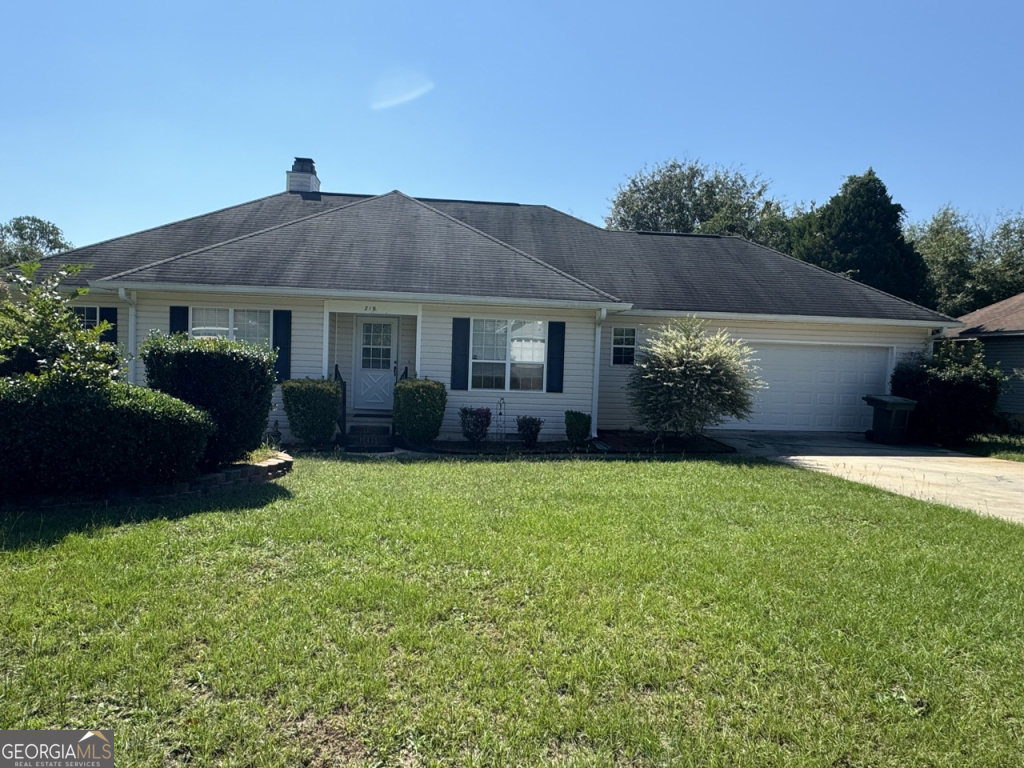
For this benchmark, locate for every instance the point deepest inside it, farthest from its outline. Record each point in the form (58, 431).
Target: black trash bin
(892, 414)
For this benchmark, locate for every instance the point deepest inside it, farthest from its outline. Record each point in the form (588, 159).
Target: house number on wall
(369, 308)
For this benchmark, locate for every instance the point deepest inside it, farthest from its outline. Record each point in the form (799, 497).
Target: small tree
(686, 379)
(40, 332)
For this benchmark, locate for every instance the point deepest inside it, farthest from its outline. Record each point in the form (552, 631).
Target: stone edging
(224, 481)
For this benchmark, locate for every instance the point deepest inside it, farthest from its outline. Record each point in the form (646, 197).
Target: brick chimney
(302, 176)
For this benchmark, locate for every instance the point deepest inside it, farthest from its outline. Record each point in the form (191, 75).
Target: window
(623, 346)
(507, 355)
(88, 316)
(250, 325)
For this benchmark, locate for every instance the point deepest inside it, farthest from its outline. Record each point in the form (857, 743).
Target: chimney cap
(303, 165)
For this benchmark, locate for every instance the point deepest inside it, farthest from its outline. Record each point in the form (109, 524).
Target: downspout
(130, 301)
(599, 318)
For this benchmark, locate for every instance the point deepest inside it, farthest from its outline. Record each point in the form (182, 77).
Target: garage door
(819, 388)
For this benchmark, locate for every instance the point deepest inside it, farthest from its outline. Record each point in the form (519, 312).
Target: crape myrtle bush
(64, 433)
(419, 410)
(956, 392)
(313, 407)
(577, 428)
(230, 380)
(475, 423)
(529, 429)
(686, 379)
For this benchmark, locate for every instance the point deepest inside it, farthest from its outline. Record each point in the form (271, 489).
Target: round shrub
(230, 380)
(475, 422)
(419, 409)
(686, 379)
(313, 407)
(529, 429)
(577, 428)
(65, 434)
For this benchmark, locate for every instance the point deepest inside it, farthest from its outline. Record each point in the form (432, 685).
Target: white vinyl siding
(578, 372)
(874, 342)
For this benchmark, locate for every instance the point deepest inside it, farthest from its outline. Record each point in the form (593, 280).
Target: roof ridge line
(176, 257)
(836, 274)
(512, 248)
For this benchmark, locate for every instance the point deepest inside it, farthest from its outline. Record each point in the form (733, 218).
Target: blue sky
(121, 116)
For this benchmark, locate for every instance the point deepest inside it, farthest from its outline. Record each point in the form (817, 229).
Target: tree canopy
(694, 197)
(28, 239)
(859, 233)
(969, 265)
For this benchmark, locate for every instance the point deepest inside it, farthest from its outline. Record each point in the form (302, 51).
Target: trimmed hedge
(956, 392)
(475, 423)
(529, 429)
(231, 380)
(63, 434)
(419, 409)
(577, 428)
(313, 407)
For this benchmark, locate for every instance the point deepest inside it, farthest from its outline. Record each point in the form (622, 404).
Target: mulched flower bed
(609, 443)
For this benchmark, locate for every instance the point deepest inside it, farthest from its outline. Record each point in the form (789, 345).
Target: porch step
(369, 437)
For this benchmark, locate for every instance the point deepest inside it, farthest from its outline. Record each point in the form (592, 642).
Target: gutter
(132, 326)
(600, 316)
(321, 293)
(822, 319)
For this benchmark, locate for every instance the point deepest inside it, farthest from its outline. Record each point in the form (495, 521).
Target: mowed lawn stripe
(462, 612)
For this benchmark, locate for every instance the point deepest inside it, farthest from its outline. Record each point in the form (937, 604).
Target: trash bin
(892, 413)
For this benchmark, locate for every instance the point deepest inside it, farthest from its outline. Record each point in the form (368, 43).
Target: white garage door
(816, 387)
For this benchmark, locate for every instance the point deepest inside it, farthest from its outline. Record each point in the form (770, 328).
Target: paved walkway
(988, 486)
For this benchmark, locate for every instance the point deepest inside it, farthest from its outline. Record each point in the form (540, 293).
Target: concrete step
(369, 437)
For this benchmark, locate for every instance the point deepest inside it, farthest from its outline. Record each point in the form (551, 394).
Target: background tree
(1000, 272)
(859, 233)
(952, 247)
(28, 239)
(694, 197)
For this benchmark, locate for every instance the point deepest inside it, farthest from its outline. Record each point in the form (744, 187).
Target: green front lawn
(574, 612)
(1009, 447)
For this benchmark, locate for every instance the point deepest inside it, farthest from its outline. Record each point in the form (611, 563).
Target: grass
(571, 612)
(1008, 447)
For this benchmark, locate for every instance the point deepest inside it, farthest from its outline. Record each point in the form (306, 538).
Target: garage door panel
(816, 387)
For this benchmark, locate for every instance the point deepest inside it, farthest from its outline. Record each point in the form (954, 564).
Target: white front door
(376, 362)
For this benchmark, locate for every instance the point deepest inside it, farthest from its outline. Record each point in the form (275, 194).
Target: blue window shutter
(460, 353)
(283, 343)
(110, 315)
(179, 320)
(556, 356)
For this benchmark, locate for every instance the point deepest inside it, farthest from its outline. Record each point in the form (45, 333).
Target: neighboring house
(1000, 327)
(520, 305)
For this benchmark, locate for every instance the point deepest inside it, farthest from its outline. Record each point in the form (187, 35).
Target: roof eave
(823, 319)
(321, 293)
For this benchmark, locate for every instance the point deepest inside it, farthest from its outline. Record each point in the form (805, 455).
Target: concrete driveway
(988, 486)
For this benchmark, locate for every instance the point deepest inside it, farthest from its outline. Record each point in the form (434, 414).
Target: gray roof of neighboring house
(389, 244)
(393, 243)
(1004, 318)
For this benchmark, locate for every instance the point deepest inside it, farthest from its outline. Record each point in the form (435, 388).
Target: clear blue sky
(121, 116)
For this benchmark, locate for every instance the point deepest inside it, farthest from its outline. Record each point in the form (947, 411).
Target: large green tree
(694, 197)
(859, 233)
(971, 266)
(953, 249)
(29, 239)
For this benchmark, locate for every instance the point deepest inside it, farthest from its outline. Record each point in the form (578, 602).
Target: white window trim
(612, 345)
(87, 306)
(231, 320)
(507, 362)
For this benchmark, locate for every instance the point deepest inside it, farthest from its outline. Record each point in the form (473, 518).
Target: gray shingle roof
(1004, 318)
(389, 244)
(397, 245)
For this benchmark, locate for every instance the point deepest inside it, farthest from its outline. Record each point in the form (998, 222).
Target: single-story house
(521, 307)
(1000, 327)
